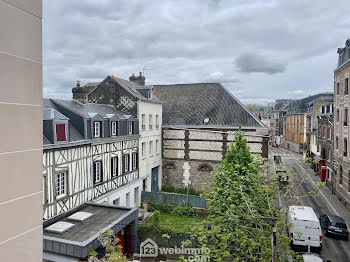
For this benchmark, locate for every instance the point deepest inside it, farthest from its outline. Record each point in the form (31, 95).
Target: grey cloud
(254, 63)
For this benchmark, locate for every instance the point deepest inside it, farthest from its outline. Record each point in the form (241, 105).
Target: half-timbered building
(90, 153)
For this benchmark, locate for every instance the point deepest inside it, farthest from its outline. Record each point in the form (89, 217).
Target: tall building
(21, 130)
(341, 124)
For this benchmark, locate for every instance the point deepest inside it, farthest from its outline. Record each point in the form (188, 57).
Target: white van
(305, 230)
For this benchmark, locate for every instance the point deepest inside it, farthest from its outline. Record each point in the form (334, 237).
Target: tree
(114, 251)
(241, 208)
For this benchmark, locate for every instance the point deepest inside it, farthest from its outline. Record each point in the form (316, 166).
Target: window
(143, 119)
(131, 128)
(338, 89)
(345, 150)
(157, 145)
(114, 128)
(150, 122)
(150, 148)
(346, 117)
(336, 143)
(97, 171)
(127, 199)
(157, 121)
(136, 197)
(134, 161)
(126, 163)
(346, 88)
(143, 149)
(340, 175)
(144, 184)
(61, 133)
(61, 185)
(337, 115)
(114, 166)
(97, 129)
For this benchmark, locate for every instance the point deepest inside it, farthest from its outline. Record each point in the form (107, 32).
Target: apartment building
(341, 125)
(137, 99)
(21, 141)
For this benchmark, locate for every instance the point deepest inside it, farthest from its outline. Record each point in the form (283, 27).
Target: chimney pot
(140, 73)
(78, 83)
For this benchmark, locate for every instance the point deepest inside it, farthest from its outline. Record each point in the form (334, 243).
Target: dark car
(334, 226)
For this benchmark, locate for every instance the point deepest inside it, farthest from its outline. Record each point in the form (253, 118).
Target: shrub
(150, 208)
(164, 208)
(172, 189)
(184, 211)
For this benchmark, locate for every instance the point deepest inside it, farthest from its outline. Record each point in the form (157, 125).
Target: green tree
(241, 210)
(114, 251)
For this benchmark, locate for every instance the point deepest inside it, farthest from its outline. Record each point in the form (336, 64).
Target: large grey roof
(190, 104)
(90, 108)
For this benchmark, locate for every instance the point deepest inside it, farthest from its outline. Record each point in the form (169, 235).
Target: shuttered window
(61, 132)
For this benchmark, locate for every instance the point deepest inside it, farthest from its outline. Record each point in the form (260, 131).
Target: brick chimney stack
(140, 79)
(79, 93)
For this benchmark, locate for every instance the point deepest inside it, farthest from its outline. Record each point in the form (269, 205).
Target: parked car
(274, 145)
(305, 230)
(334, 226)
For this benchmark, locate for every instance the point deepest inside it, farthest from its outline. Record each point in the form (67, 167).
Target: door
(154, 183)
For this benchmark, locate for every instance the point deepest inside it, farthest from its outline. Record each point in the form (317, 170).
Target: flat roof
(304, 213)
(78, 240)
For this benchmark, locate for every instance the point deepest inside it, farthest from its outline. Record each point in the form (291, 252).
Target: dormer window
(97, 129)
(61, 133)
(114, 128)
(131, 128)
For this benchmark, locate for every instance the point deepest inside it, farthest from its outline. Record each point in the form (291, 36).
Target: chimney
(79, 93)
(140, 80)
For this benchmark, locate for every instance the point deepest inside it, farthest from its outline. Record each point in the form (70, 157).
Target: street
(325, 203)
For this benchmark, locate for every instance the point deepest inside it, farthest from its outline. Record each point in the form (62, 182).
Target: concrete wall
(21, 130)
(174, 199)
(154, 159)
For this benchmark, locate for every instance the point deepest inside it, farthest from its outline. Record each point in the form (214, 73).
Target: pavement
(325, 203)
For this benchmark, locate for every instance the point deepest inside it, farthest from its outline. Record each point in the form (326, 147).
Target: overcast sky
(259, 50)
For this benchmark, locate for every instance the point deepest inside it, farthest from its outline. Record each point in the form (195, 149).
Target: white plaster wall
(149, 161)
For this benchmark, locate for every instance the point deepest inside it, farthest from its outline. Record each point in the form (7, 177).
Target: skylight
(79, 216)
(206, 120)
(59, 227)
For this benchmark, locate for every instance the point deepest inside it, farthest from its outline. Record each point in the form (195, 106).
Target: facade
(20, 141)
(341, 126)
(325, 144)
(295, 132)
(138, 100)
(90, 154)
(199, 121)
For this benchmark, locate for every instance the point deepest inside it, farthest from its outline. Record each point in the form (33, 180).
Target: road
(335, 250)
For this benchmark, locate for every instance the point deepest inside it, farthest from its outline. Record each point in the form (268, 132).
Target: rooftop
(203, 104)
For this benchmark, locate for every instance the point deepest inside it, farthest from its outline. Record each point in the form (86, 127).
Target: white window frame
(114, 166)
(126, 163)
(143, 121)
(130, 128)
(97, 129)
(143, 148)
(150, 117)
(114, 128)
(157, 121)
(150, 148)
(98, 174)
(61, 184)
(134, 161)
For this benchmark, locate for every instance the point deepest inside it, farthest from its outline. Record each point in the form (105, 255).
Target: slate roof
(300, 106)
(90, 108)
(190, 104)
(131, 87)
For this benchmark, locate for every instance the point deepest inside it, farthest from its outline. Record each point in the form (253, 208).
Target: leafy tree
(251, 107)
(114, 251)
(241, 208)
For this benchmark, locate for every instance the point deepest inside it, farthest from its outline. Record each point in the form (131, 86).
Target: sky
(259, 50)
